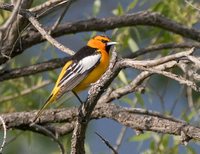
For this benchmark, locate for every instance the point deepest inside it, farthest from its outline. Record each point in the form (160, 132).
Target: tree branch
(13, 16)
(44, 7)
(106, 142)
(25, 92)
(141, 18)
(27, 14)
(158, 47)
(144, 18)
(131, 117)
(50, 134)
(4, 134)
(12, 30)
(33, 69)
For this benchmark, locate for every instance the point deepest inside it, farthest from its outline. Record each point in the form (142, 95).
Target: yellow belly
(94, 75)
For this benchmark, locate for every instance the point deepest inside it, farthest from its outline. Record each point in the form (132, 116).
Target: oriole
(82, 69)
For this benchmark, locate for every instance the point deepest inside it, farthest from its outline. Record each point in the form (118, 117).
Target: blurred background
(161, 94)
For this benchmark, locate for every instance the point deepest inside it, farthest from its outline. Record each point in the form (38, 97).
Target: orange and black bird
(82, 69)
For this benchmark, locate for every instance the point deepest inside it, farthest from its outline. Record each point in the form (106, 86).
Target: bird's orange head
(101, 42)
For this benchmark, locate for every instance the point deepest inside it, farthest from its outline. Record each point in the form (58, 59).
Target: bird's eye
(104, 41)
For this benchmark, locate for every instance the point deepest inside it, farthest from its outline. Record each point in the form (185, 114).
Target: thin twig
(156, 91)
(25, 92)
(47, 6)
(32, 69)
(155, 62)
(50, 134)
(180, 79)
(107, 143)
(158, 47)
(4, 135)
(27, 14)
(59, 19)
(5, 29)
(14, 138)
(45, 34)
(13, 16)
(189, 3)
(178, 96)
(190, 99)
(120, 138)
(131, 87)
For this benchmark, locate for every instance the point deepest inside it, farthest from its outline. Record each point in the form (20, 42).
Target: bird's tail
(50, 99)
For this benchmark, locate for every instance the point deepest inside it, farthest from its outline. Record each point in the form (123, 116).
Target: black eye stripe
(104, 41)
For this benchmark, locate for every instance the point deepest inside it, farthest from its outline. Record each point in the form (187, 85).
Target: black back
(83, 52)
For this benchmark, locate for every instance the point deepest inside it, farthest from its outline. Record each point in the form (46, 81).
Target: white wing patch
(89, 62)
(78, 71)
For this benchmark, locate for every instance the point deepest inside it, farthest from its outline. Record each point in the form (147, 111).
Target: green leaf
(96, 7)
(88, 149)
(141, 137)
(128, 101)
(122, 77)
(152, 145)
(191, 150)
(165, 140)
(132, 45)
(190, 116)
(139, 98)
(132, 5)
(137, 33)
(118, 11)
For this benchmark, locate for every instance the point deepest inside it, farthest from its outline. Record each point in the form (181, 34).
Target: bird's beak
(111, 43)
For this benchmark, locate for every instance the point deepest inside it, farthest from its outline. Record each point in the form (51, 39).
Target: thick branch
(141, 18)
(134, 118)
(145, 18)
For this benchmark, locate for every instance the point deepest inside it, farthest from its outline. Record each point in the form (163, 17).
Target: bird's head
(101, 42)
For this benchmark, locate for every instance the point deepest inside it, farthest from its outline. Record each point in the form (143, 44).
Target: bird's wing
(72, 75)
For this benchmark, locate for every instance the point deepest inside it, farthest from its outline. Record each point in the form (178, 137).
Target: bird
(82, 69)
